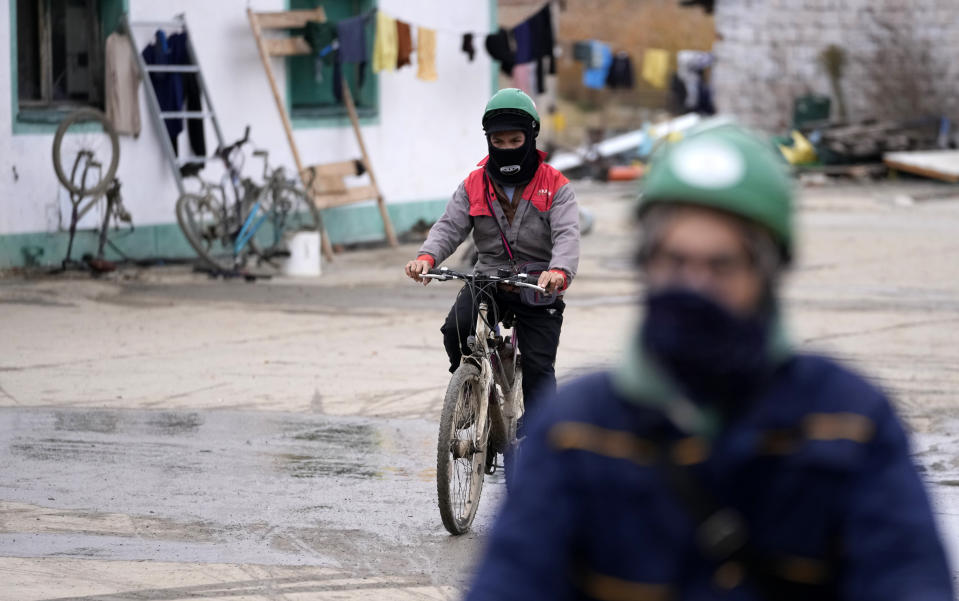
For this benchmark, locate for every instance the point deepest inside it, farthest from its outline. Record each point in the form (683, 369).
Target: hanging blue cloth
(598, 69)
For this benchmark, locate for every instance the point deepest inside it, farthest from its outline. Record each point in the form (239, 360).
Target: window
(311, 92)
(60, 55)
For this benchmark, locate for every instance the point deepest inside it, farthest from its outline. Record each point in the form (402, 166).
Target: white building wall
(427, 136)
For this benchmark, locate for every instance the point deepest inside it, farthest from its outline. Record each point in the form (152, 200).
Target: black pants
(537, 328)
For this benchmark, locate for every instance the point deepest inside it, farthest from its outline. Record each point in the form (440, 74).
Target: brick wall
(902, 57)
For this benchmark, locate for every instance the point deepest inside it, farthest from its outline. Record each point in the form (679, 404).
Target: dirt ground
(164, 435)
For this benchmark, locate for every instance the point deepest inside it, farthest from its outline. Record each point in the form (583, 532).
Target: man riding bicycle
(524, 218)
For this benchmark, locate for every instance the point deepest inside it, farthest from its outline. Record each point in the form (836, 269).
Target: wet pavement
(277, 489)
(164, 435)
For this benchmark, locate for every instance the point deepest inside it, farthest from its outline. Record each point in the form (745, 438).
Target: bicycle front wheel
(513, 450)
(86, 152)
(460, 457)
(202, 220)
(286, 210)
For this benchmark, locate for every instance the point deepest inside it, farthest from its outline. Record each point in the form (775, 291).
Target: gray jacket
(545, 228)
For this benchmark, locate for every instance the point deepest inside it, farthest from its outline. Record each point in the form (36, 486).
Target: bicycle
(82, 141)
(482, 406)
(257, 223)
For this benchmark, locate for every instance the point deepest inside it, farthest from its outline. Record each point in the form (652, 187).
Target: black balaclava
(516, 165)
(715, 357)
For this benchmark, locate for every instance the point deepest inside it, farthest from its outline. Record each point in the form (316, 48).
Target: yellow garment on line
(386, 44)
(656, 67)
(426, 54)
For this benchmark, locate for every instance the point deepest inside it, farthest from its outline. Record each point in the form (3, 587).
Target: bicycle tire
(78, 118)
(197, 233)
(289, 210)
(459, 499)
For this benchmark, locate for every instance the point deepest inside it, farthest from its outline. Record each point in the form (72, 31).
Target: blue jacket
(819, 468)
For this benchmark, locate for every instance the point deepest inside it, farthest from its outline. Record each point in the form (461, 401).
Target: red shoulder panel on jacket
(476, 193)
(543, 187)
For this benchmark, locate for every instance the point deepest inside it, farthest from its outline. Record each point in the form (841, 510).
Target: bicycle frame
(502, 409)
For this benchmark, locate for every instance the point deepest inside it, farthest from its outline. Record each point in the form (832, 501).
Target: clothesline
(459, 33)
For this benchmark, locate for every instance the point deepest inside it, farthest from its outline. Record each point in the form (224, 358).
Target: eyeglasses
(671, 263)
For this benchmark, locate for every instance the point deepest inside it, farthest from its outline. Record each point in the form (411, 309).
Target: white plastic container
(304, 260)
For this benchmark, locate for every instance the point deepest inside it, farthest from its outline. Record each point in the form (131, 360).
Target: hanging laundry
(467, 46)
(351, 34)
(502, 48)
(621, 75)
(523, 34)
(321, 37)
(167, 86)
(583, 52)
(180, 55)
(523, 77)
(656, 67)
(599, 54)
(404, 45)
(676, 100)
(122, 85)
(690, 65)
(386, 44)
(598, 68)
(426, 54)
(544, 45)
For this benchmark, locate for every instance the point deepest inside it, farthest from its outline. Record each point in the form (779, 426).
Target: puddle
(174, 423)
(104, 422)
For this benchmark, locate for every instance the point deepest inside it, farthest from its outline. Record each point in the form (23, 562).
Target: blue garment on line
(523, 34)
(351, 34)
(595, 76)
(168, 86)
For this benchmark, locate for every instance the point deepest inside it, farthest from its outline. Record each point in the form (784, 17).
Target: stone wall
(902, 57)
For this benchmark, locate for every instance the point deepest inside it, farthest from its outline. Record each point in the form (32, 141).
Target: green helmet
(727, 168)
(512, 101)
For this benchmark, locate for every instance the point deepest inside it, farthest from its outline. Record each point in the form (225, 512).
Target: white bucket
(304, 255)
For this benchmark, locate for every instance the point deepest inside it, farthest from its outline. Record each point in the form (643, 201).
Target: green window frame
(40, 111)
(309, 97)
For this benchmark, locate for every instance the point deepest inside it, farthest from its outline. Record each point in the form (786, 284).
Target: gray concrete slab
(164, 435)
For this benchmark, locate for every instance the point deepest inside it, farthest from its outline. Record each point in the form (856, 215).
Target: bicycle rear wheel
(86, 152)
(203, 222)
(286, 210)
(460, 465)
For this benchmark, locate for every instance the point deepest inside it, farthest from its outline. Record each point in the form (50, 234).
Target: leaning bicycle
(256, 225)
(483, 403)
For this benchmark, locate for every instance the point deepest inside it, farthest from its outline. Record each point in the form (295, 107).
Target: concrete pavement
(167, 436)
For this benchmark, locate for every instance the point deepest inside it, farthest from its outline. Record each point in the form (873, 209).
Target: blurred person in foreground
(716, 462)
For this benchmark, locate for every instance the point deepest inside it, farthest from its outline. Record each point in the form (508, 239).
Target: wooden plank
(289, 19)
(285, 118)
(352, 195)
(942, 165)
(341, 169)
(381, 203)
(286, 46)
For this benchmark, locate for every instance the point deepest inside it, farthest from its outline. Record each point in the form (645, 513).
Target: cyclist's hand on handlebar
(416, 268)
(551, 281)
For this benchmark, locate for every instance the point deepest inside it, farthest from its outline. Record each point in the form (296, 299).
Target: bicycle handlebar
(224, 151)
(519, 280)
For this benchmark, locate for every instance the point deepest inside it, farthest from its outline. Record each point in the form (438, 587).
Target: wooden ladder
(324, 183)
